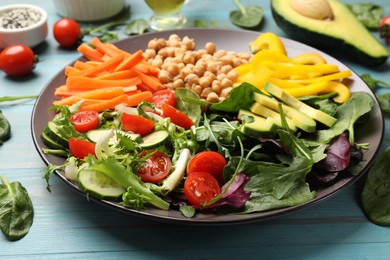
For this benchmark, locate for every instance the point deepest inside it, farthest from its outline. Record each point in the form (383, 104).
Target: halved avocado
(342, 31)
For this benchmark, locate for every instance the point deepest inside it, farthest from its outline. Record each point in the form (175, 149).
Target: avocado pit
(315, 9)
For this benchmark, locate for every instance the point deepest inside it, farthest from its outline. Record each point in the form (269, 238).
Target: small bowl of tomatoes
(22, 24)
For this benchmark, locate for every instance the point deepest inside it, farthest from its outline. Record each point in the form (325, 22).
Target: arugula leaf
(16, 210)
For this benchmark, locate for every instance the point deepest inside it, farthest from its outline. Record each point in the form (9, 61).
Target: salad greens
(16, 210)
(5, 129)
(368, 14)
(261, 174)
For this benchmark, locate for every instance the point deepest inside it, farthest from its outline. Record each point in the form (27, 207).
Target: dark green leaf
(16, 210)
(5, 128)
(384, 101)
(192, 109)
(138, 26)
(376, 191)
(247, 16)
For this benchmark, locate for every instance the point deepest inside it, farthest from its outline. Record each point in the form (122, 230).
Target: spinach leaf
(368, 14)
(16, 210)
(322, 102)
(248, 17)
(138, 26)
(192, 109)
(5, 128)
(240, 97)
(372, 83)
(347, 115)
(376, 191)
(384, 101)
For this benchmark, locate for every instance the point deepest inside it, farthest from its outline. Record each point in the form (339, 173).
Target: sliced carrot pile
(108, 77)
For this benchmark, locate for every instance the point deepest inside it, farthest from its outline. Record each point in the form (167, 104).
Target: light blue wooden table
(67, 226)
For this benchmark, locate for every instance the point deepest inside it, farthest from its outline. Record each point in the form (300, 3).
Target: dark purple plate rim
(231, 40)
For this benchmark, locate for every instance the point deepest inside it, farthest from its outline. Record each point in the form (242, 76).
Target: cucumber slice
(95, 135)
(49, 142)
(155, 139)
(51, 131)
(99, 185)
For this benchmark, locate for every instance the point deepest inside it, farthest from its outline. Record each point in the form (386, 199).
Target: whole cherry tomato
(384, 29)
(210, 162)
(67, 32)
(17, 60)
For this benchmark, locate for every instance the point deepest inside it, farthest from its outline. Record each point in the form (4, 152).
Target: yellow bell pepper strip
(308, 59)
(286, 70)
(282, 83)
(269, 41)
(257, 78)
(334, 76)
(342, 90)
(307, 90)
(270, 55)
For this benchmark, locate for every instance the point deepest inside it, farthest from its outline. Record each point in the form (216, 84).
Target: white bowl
(88, 10)
(31, 35)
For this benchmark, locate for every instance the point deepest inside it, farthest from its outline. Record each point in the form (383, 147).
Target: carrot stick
(135, 99)
(63, 91)
(109, 65)
(124, 74)
(147, 68)
(100, 94)
(106, 104)
(69, 70)
(151, 82)
(82, 65)
(123, 52)
(89, 52)
(131, 61)
(86, 83)
(102, 47)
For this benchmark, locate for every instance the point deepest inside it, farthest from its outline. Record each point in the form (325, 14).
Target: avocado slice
(301, 120)
(316, 114)
(342, 31)
(260, 127)
(264, 111)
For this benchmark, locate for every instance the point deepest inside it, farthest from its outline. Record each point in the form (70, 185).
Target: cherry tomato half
(81, 148)
(137, 124)
(165, 96)
(17, 60)
(200, 188)
(177, 117)
(67, 32)
(156, 167)
(208, 161)
(84, 121)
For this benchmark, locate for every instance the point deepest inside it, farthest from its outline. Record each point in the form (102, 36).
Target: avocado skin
(317, 39)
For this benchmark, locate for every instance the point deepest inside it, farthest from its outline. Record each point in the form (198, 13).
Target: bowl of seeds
(22, 24)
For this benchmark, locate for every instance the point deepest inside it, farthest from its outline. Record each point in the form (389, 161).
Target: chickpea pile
(208, 72)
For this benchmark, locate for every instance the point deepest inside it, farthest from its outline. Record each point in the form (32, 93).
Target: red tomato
(137, 124)
(156, 167)
(384, 28)
(67, 32)
(208, 161)
(83, 121)
(200, 188)
(165, 96)
(81, 148)
(177, 117)
(17, 60)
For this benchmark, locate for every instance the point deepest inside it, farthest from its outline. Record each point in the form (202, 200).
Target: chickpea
(149, 54)
(205, 81)
(212, 97)
(178, 83)
(225, 92)
(220, 53)
(197, 89)
(173, 69)
(188, 58)
(185, 72)
(226, 83)
(152, 44)
(157, 63)
(192, 79)
(164, 76)
(210, 47)
(216, 86)
(232, 75)
(198, 70)
(236, 62)
(205, 92)
(213, 67)
(226, 68)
